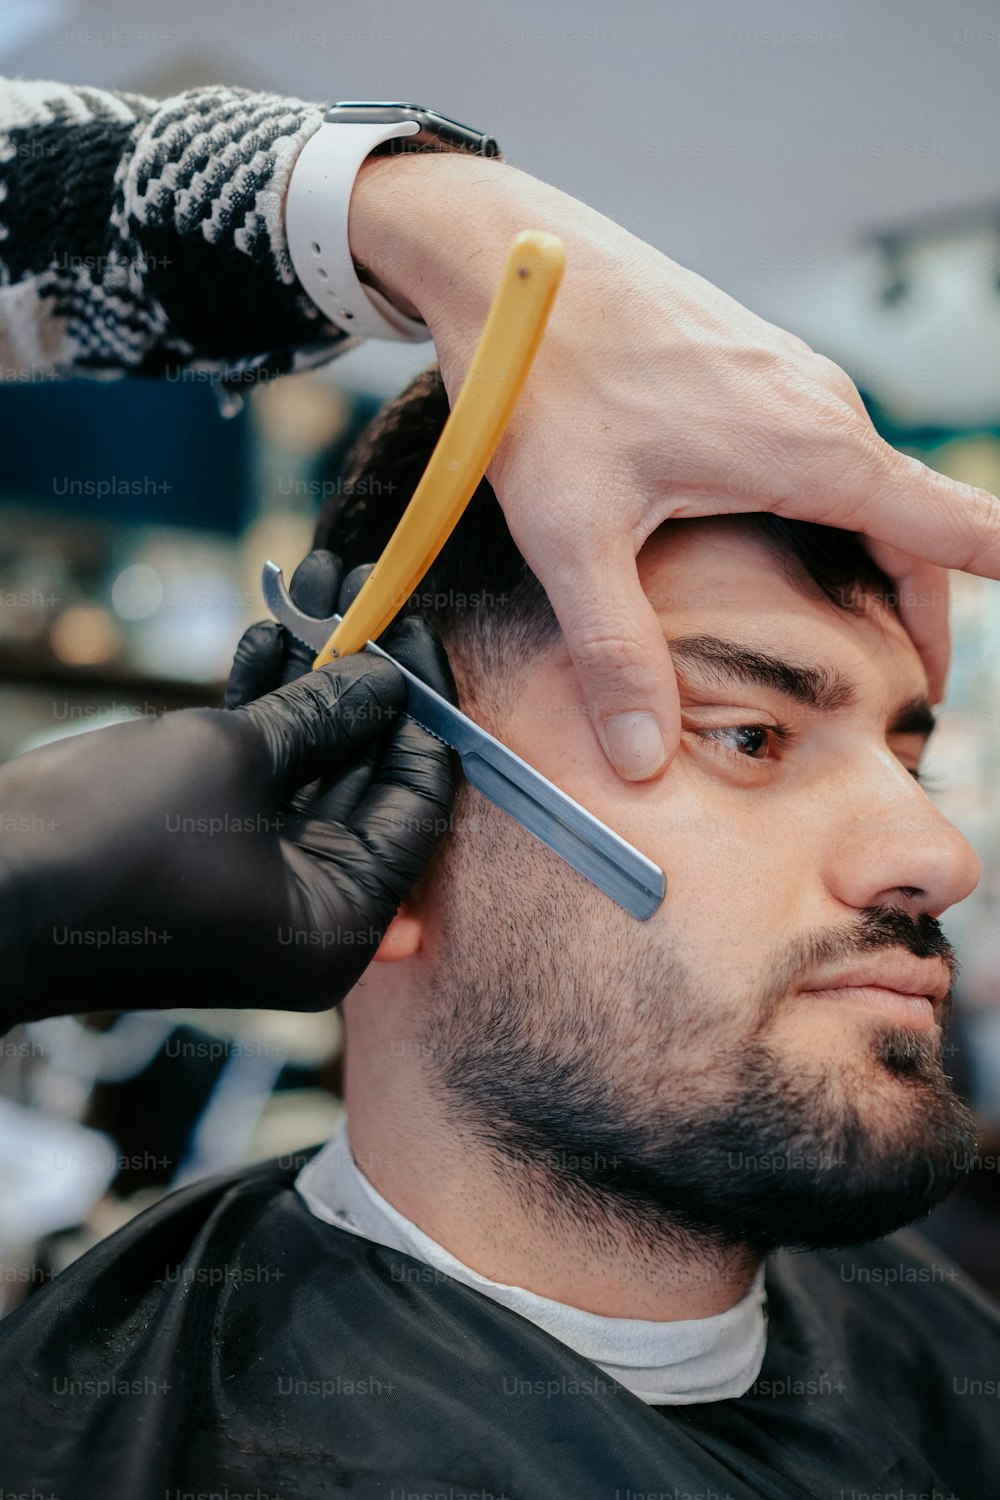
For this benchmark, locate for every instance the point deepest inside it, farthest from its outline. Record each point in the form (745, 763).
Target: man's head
(677, 1077)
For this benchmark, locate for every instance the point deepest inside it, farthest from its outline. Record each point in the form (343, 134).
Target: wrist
(432, 232)
(417, 219)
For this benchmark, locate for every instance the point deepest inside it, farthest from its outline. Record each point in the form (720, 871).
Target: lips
(907, 976)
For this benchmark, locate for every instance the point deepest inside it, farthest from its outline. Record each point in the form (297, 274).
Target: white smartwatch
(319, 198)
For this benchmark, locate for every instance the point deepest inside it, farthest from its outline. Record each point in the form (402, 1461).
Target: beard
(620, 1095)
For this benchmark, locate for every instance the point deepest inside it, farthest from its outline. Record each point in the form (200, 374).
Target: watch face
(436, 133)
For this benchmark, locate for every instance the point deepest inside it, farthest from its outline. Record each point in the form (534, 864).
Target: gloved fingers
(351, 586)
(373, 862)
(268, 656)
(341, 903)
(335, 799)
(314, 589)
(257, 664)
(416, 645)
(408, 806)
(320, 723)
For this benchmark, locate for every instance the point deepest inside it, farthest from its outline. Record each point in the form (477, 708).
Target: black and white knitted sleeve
(140, 236)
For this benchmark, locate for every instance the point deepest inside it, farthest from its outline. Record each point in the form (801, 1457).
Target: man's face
(686, 1061)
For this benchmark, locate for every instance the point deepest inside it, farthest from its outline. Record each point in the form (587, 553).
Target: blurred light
(917, 326)
(137, 592)
(896, 285)
(973, 460)
(85, 636)
(22, 24)
(21, 625)
(100, 719)
(283, 537)
(302, 414)
(196, 629)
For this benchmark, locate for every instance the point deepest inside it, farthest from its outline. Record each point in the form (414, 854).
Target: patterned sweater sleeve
(140, 236)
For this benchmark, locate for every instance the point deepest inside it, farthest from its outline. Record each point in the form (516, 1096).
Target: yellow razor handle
(468, 440)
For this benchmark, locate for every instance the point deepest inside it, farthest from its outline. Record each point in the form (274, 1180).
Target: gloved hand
(169, 862)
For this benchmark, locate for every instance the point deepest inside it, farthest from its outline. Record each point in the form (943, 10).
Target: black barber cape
(226, 1343)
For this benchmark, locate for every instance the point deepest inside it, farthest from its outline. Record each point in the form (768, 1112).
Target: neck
(549, 1233)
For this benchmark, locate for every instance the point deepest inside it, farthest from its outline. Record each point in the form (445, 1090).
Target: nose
(894, 847)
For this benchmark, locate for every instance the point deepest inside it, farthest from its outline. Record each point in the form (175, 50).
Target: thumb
(323, 720)
(624, 667)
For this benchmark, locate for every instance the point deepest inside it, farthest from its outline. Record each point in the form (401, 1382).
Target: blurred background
(834, 166)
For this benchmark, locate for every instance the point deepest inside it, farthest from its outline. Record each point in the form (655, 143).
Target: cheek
(732, 886)
(734, 862)
(733, 872)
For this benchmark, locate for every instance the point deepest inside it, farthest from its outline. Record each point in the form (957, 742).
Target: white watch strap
(316, 213)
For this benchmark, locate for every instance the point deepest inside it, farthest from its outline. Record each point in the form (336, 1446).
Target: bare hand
(653, 395)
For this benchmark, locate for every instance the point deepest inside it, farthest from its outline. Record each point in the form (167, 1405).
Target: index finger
(625, 670)
(922, 590)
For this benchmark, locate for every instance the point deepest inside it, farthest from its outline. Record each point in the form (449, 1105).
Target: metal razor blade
(569, 830)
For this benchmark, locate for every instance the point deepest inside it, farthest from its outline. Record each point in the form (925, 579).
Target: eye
(752, 738)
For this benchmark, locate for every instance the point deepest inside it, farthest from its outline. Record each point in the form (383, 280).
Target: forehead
(718, 577)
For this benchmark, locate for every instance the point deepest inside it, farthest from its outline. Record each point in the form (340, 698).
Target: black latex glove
(168, 861)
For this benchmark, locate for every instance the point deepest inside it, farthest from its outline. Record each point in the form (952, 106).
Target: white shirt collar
(663, 1363)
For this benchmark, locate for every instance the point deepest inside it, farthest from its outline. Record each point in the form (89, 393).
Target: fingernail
(634, 745)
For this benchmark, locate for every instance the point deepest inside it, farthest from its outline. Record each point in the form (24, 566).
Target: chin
(823, 1157)
(905, 1147)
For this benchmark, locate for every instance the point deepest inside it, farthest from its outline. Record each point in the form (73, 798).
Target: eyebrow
(821, 688)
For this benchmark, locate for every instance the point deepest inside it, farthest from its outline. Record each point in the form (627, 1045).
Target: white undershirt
(662, 1362)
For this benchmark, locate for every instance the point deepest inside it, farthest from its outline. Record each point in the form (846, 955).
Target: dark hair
(480, 594)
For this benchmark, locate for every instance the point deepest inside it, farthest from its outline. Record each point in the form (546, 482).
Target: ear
(403, 937)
